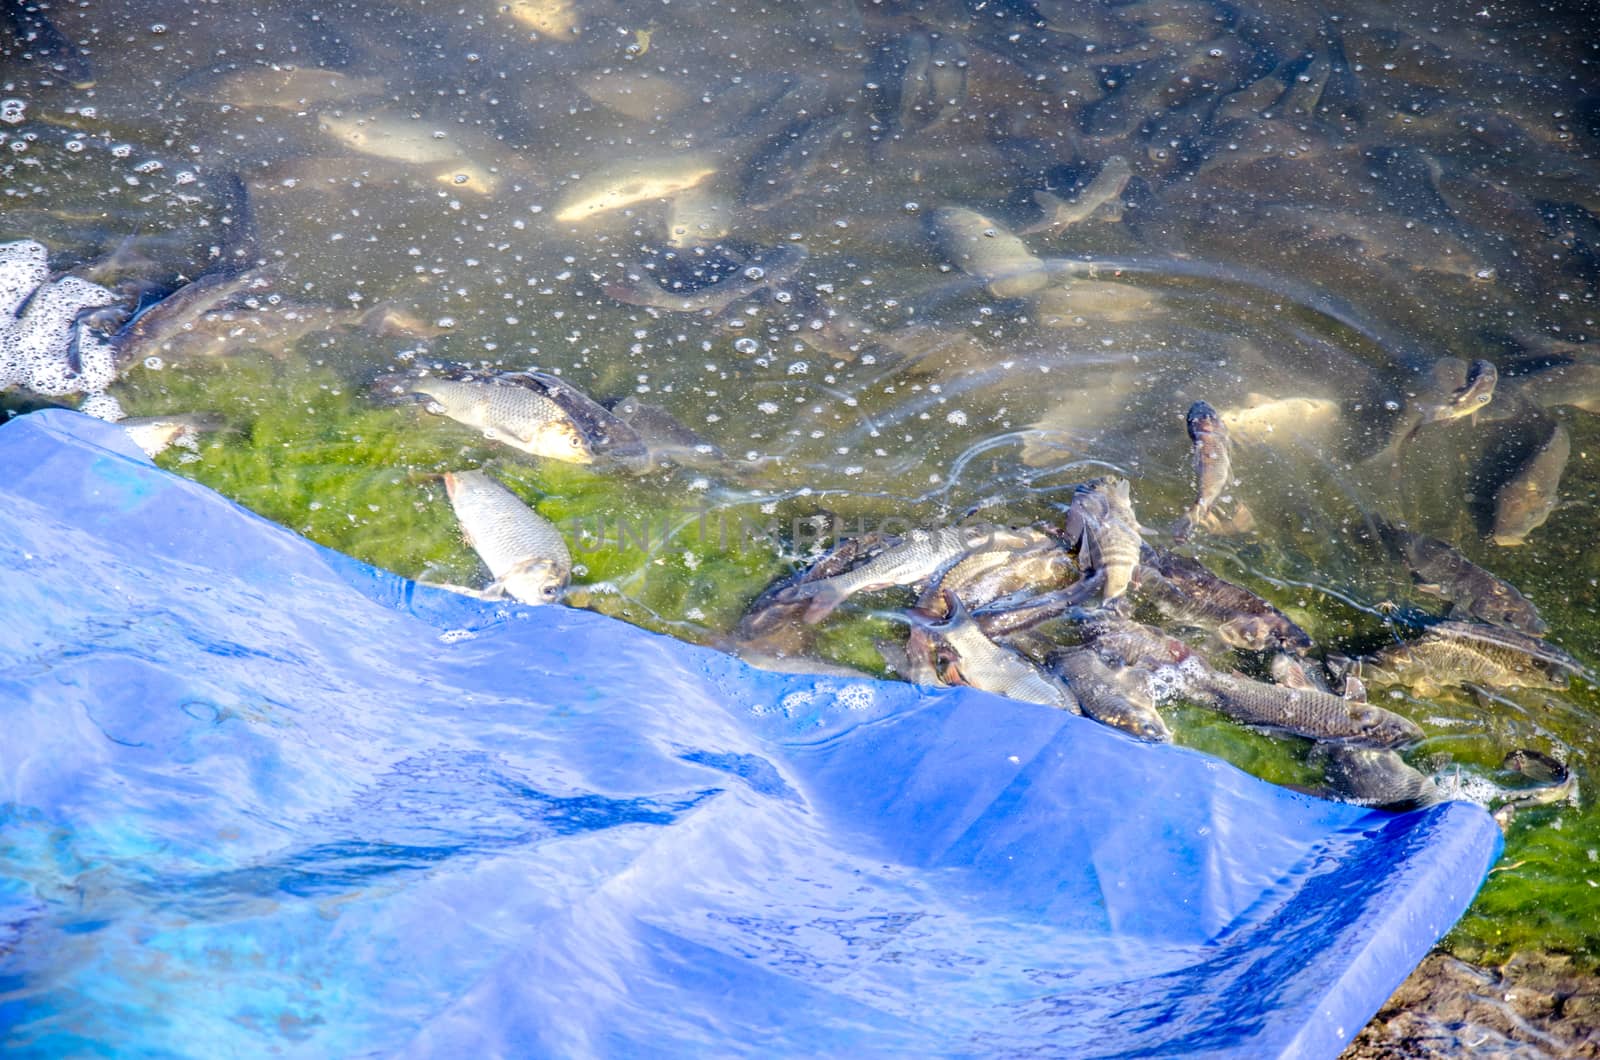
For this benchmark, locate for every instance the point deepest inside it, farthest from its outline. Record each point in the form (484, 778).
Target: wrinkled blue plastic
(256, 796)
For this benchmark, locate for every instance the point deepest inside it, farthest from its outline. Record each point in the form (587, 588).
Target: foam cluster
(45, 346)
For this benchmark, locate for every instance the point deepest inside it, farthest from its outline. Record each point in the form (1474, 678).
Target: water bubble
(12, 111)
(158, 28)
(747, 345)
(912, 207)
(74, 146)
(155, 364)
(755, 272)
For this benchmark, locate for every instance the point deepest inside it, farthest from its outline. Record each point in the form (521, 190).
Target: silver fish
(773, 619)
(522, 549)
(981, 663)
(920, 556)
(536, 413)
(1528, 497)
(1213, 465)
(988, 574)
(1112, 697)
(156, 434)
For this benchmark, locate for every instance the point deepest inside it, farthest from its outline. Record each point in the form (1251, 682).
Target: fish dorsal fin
(1354, 690)
(1287, 672)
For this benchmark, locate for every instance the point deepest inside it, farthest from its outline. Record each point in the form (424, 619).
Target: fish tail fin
(821, 597)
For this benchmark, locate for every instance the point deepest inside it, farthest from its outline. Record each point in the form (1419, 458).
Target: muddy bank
(1534, 1006)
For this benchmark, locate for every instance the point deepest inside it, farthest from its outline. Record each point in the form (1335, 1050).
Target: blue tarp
(256, 796)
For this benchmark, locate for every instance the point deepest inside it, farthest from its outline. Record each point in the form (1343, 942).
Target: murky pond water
(896, 262)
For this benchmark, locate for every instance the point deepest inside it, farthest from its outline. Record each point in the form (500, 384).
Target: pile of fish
(1084, 614)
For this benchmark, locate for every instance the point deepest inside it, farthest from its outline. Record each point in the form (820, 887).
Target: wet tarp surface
(256, 796)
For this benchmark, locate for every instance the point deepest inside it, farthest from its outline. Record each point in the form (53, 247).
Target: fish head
(1383, 728)
(1470, 399)
(536, 582)
(1250, 632)
(1202, 419)
(562, 440)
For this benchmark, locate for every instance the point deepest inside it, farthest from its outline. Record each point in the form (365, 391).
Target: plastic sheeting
(256, 796)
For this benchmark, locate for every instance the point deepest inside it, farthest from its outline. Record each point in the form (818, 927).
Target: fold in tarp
(258, 797)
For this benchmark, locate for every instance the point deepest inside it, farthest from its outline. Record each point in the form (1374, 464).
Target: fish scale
(1460, 653)
(522, 418)
(1303, 711)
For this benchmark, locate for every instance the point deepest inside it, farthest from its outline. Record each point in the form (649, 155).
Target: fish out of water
(633, 181)
(1528, 497)
(920, 556)
(1100, 523)
(1213, 465)
(1131, 643)
(1303, 711)
(1556, 783)
(987, 251)
(987, 574)
(1115, 697)
(774, 619)
(1374, 776)
(981, 663)
(1440, 570)
(523, 550)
